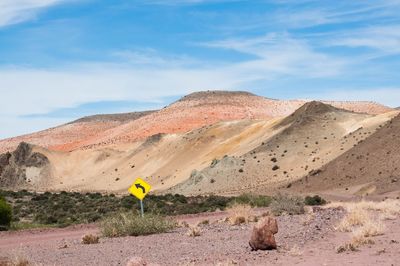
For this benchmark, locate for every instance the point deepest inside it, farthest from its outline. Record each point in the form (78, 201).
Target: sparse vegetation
(5, 214)
(194, 231)
(90, 239)
(314, 200)
(364, 220)
(17, 260)
(239, 214)
(354, 217)
(132, 224)
(284, 204)
(31, 209)
(253, 200)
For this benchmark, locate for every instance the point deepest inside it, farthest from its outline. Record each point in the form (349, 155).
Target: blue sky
(63, 59)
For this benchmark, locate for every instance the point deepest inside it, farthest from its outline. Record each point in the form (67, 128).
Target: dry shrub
(308, 218)
(286, 204)
(355, 217)
(388, 206)
(194, 230)
(361, 235)
(295, 251)
(346, 247)
(371, 228)
(253, 219)
(17, 260)
(359, 220)
(90, 239)
(131, 224)
(239, 214)
(204, 222)
(183, 224)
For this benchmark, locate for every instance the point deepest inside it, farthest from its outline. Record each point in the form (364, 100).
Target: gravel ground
(301, 241)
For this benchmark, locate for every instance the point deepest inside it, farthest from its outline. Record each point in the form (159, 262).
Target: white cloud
(31, 91)
(16, 11)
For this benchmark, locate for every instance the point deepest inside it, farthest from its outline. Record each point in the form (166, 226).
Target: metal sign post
(139, 189)
(141, 208)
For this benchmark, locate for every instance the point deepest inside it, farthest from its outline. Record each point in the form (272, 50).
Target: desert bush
(239, 214)
(284, 204)
(131, 224)
(254, 200)
(275, 167)
(5, 214)
(204, 222)
(314, 201)
(194, 231)
(65, 208)
(90, 239)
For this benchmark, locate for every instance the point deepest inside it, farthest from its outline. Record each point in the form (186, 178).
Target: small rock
(262, 237)
(136, 261)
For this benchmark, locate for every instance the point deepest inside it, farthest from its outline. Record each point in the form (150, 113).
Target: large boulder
(262, 237)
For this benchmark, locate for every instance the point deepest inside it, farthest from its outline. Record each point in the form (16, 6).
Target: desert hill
(71, 133)
(370, 167)
(312, 136)
(207, 142)
(191, 112)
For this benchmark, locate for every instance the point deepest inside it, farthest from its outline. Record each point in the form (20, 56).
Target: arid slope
(309, 138)
(370, 167)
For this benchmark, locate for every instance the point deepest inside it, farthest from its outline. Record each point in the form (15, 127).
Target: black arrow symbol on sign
(141, 187)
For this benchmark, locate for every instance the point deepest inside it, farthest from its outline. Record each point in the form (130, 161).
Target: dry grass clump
(131, 224)
(295, 251)
(17, 260)
(354, 217)
(371, 228)
(389, 206)
(364, 220)
(239, 214)
(183, 224)
(90, 239)
(309, 216)
(194, 230)
(204, 222)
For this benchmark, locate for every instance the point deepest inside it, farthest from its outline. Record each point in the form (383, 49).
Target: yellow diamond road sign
(139, 189)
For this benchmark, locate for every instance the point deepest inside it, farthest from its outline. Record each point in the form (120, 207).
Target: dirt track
(300, 243)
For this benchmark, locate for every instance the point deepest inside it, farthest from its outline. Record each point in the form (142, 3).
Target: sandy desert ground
(301, 241)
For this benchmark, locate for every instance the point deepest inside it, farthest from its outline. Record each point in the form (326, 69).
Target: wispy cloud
(385, 39)
(16, 11)
(280, 54)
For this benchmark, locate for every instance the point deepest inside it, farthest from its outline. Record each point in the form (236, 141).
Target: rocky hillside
(24, 167)
(312, 136)
(372, 166)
